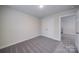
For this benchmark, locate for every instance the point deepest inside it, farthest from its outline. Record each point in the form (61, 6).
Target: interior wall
(17, 27)
(77, 30)
(51, 25)
(0, 24)
(77, 21)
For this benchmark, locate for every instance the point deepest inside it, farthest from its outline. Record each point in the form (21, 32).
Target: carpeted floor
(39, 44)
(43, 44)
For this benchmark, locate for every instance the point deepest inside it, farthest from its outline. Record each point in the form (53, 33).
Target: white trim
(73, 14)
(60, 27)
(50, 37)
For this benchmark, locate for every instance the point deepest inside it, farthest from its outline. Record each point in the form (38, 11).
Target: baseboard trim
(50, 37)
(19, 41)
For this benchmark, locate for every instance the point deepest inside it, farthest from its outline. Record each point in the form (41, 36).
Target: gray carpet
(43, 44)
(39, 44)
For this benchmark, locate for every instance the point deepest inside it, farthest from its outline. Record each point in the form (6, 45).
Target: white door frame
(60, 21)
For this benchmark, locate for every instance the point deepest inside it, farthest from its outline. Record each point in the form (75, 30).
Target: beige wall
(50, 27)
(17, 27)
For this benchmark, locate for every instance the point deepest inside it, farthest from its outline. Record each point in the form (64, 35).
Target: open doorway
(68, 32)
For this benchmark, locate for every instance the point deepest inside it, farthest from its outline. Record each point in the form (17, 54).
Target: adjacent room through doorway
(68, 32)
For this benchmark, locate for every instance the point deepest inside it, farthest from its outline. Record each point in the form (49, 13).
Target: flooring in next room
(43, 44)
(67, 44)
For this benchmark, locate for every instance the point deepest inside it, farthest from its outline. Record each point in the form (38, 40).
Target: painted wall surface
(50, 27)
(77, 30)
(17, 27)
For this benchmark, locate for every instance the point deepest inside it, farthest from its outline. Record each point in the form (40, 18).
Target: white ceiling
(34, 10)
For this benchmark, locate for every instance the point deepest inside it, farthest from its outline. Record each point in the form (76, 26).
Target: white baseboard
(19, 41)
(50, 37)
